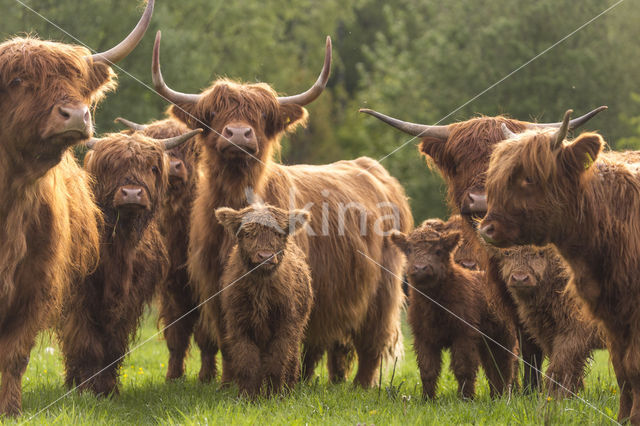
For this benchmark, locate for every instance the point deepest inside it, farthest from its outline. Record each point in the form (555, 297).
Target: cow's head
(130, 174)
(263, 232)
(532, 181)
(47, 91)
(461, 151)
(525, 268)
(242, 123)
(429, 253)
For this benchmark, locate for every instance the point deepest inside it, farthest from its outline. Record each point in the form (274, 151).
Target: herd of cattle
(538, 263)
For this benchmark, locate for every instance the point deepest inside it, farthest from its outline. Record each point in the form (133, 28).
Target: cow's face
(532, 184)
(46, 92)
(429, 254)
(241, 122)
(524, 268)
(466, 256)
(262, 233)
(130, 173)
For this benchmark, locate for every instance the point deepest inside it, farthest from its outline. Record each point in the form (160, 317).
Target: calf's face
(524, 268)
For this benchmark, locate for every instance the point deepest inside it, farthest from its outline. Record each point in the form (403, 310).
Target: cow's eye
(528, 181)
(15, 82)
(155, 170)
(438, 252)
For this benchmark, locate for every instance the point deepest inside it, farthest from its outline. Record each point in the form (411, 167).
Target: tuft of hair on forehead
(40, 63)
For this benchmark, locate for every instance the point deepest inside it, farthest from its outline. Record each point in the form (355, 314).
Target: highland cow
(130, 175)
(461, 152)
(267, 296)
(449, 308)
(356, 204)
(49, 220)
(179, 312)
(465, 253)
(543, 190)
(536, 279)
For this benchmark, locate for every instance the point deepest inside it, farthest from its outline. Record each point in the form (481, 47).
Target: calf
(536, 279)
(542, 190)
(179, 310)
(101, 315)
(267, 296)
(436, 279)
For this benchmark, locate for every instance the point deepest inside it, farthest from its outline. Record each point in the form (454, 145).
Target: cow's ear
(229, 218)
(580, 155)
(433, 148)
(450, 241)
(101, 79)
(297, 220)
(400, 240)
(291, 116)
(189, 115)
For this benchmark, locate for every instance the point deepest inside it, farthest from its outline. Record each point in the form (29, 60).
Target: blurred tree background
(419, 60)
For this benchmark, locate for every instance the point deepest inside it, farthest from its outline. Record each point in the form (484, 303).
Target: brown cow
(267, 296)
(465, 253)
(178, 300)
(100, 316)
(355, 204)
(542, 190)
(461, 152)
(437, 280)
(537, 278)
(49, 221)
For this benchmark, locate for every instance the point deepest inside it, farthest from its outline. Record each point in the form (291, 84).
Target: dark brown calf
(101, 314)
(437, 280)
(537, 279)
(267, 296)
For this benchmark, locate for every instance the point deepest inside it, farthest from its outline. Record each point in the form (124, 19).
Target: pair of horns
(168, 143)
(176, 97)
(126, 46)
(442, 132)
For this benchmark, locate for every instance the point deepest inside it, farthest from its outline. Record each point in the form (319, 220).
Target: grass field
(146, 398)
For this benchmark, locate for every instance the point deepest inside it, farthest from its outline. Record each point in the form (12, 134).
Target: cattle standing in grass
(267, 296)
(461, 152)
(49, 234)
(437, 280)
(130, 175)
(537, 278)
(355, 204)
(541, 190)
(178, 302)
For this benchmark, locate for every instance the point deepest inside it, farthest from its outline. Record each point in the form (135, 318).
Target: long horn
(130, 124)
(91, 143)
(126, 46)
(573, 124)
(159, 84)
(420, 130)
(175, 141)
(561, 134)
(317, 88)
(507, 133)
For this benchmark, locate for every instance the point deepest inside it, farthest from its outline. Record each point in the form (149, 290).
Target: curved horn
(573, 124)
(91, 143)
(175, 141)
(561, 134)
(159, 84)
(419, 130)
(507, 133)
(126, 46)
(130, 124)
(312, 94)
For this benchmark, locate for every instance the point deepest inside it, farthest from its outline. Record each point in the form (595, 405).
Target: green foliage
(420, 60)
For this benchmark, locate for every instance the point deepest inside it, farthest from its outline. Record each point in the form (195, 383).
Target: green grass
(146, 398)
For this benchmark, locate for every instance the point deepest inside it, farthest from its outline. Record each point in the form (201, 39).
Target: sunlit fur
(178, 299)
(355, 300)
(436, 278)
(49, 229)
(463, 160)
(586, 204)
(103, 313)
(551, 315)
(266, 306)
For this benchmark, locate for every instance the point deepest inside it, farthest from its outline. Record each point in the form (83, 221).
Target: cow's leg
(626, 393)
(532, 355)
(567, 365)
(311, 355)
(429, 358)
(208, 350)
(340, 358)
(12, 369)
(464, 363)
(498, 363)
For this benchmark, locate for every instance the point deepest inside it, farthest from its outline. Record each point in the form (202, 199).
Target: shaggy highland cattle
(178, 301)
(543, 190)
(49, 220)
(537, 278)
(464, 254)
(267, 297)
(101, 315)
(354, 205)
(437, 280)
(461, 152)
